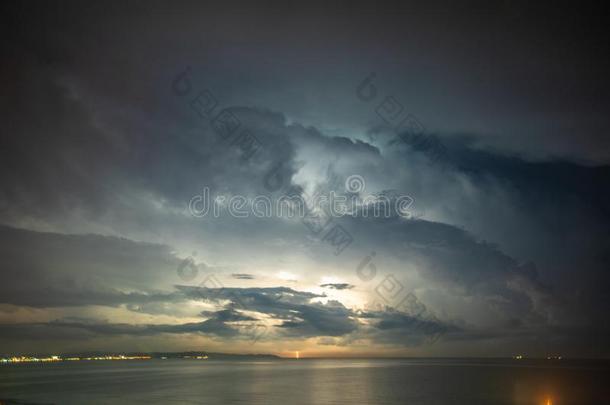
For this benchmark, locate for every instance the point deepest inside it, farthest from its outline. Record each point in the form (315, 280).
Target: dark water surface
(292, 382)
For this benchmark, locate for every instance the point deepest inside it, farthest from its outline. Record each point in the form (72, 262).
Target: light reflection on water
(309, 382)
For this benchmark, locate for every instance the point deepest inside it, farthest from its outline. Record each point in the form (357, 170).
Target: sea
(307, 381)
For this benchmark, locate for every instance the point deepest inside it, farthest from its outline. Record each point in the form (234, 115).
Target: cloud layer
(111, 133)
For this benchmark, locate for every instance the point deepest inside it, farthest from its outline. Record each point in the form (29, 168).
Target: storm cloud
(111, 132)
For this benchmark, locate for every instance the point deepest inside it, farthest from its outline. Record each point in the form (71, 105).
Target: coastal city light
(31, 359)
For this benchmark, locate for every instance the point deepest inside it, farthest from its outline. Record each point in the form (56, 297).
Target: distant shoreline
(212, 356)
(103, 356)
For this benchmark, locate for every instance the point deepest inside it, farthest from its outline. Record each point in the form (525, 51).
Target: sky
(168, 169)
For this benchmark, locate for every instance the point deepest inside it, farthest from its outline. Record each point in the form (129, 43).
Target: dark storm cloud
(561, 181)
(300, 317)
(169, 161)
(256, 298)
(330, 319)
(243, 276)
(338, 286)
(564, 218)
(97, 141)
(48, 297)
(391, 326)
(298, 312)
(53, 270)
(527, 79)
(455, 260)
(556, 214)
(446, 254)
(214, 326)
(43, 332)
(297, 321)
(226, 315)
